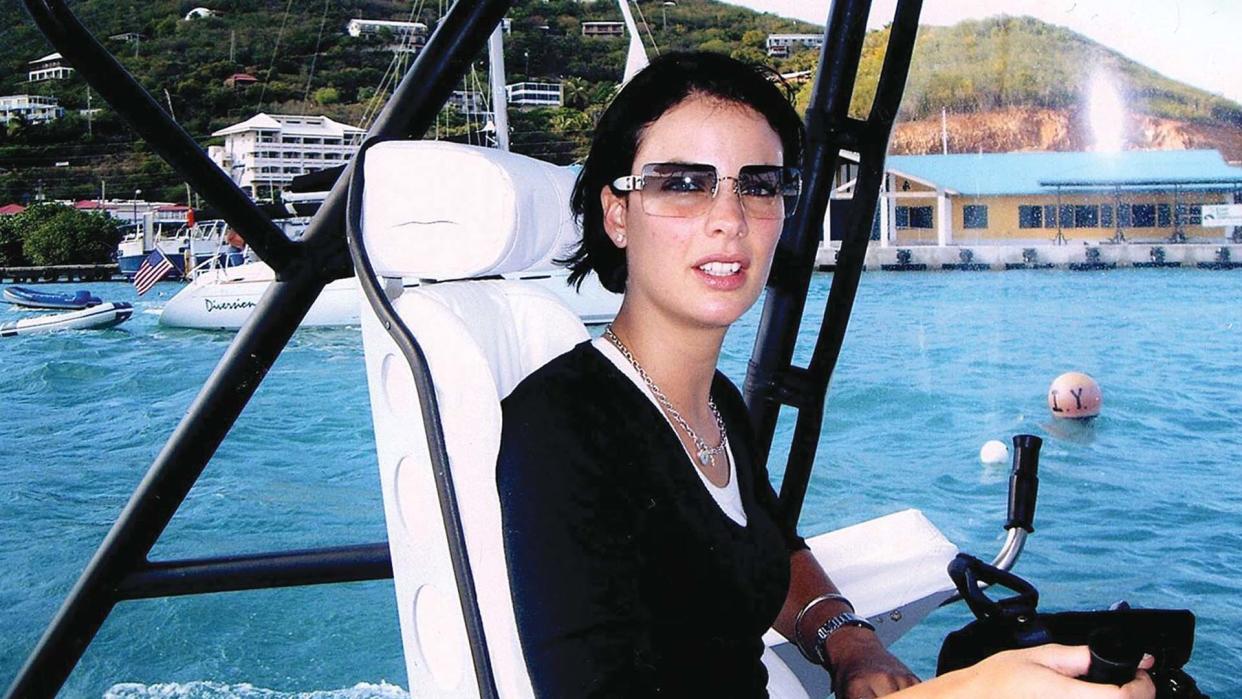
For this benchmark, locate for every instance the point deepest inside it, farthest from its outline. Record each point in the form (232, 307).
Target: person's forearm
(857, 660)
(807, 581)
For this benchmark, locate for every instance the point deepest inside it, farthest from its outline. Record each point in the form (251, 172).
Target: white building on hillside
(779, 45)
(265, 152)
(33, 109)
(51, 67)
(603, 29)
(531, 94)
(472, 103)
(407, 36)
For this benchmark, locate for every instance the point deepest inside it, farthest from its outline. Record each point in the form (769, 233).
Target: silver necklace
(706, 454)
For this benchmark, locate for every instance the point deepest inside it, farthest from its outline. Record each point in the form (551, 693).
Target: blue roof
(994, 174)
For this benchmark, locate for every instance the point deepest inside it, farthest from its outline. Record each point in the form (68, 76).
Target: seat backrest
(446, 211)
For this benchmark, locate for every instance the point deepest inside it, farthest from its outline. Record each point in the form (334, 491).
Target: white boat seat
(451, 212)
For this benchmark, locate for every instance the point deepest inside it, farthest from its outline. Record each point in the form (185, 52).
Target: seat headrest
(438, 210)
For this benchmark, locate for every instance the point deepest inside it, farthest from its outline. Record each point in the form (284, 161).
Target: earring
(620, 239)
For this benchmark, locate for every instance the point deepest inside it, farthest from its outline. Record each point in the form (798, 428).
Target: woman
(645, 551)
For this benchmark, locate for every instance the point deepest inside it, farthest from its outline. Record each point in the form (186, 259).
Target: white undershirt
(727, 496)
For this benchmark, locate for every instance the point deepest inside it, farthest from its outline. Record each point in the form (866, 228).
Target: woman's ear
(614, 215)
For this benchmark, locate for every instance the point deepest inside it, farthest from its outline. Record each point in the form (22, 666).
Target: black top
(627, 577)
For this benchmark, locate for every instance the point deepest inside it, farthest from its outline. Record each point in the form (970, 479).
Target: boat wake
(220, 690)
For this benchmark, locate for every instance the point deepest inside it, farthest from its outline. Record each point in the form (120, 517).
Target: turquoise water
(1144, 505)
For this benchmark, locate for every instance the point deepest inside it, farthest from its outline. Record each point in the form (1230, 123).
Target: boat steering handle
(1024, 482)
(1023, 489)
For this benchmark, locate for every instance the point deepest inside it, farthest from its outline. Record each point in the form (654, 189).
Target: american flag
(154, 268)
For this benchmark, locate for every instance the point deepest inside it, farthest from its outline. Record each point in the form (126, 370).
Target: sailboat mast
(500, 102)
(635, 55)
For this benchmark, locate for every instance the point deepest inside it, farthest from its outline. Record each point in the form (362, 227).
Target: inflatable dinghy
(29, 298)
(104, 315)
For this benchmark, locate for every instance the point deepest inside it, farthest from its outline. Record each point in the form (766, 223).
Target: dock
(57, 273)
(994, 257)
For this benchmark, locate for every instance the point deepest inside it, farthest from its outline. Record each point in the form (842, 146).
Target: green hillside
(306, 63)
(977, 66)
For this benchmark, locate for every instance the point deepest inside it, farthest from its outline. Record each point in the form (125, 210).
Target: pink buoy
(1074, 396)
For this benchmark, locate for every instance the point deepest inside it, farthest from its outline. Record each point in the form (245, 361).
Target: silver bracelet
(798, 621)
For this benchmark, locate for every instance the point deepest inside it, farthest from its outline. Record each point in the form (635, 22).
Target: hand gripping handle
(1114, 656)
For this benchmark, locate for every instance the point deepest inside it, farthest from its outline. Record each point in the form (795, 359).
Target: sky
(1198, 42)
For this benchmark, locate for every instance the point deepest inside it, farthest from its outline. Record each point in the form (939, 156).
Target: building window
(1143, 215)
(1164, 215)
(1030, 216)
(1067, 215)
(1123, 215)
(914, 217)
(1194, 215)
(920, 217)
(974, 216)
(1086, 216)
(1106, 215)
(1050, 216)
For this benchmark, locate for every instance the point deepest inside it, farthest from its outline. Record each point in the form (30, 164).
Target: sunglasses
(686, 190)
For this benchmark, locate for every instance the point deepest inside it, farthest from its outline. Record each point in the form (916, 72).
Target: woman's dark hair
(668, 81)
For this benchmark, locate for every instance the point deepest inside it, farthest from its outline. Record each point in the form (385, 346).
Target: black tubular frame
(120, 569)
(772, 380)
(416, 360)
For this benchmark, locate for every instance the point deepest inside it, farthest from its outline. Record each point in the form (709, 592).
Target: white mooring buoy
(994, 452)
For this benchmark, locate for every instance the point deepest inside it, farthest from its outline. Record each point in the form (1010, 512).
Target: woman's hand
(863, 668)
(1046, 671)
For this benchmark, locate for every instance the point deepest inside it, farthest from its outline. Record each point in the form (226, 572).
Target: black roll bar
(772, 380)
(304, 269)
(429, 410)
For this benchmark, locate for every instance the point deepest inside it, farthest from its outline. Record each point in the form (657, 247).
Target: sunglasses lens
(684, 191)
(768, 192)
(671, 189)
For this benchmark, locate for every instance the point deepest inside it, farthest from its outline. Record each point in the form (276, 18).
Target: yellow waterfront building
(1053, 198)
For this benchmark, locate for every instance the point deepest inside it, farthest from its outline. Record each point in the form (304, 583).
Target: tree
(749, 54)
(569, 122)
(755, 39)
(11, 244)
(16, 126)
(716, 46)
(577, 92)
(54, 234)
(326, 95)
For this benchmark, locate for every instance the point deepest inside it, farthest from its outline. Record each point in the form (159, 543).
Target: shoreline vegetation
(49, 235)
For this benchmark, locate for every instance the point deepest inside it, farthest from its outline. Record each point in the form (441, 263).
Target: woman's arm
(862, 668)
(860, 665)
(571, 550)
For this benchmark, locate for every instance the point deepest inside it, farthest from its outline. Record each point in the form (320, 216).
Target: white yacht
(222, 297)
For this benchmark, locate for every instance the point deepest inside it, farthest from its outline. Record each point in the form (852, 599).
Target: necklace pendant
(705, 457)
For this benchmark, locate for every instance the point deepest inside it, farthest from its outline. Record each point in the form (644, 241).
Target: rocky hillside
(1044, 129)
(1016, 83)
